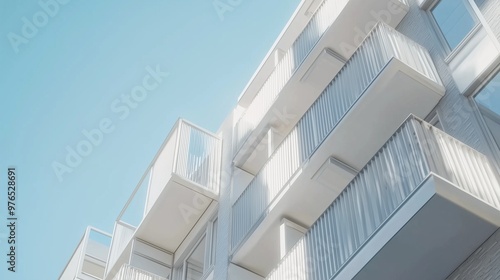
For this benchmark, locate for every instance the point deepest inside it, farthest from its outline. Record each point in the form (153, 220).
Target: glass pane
(488, 100)
(489, 96)
(196, 262)
(454, 20)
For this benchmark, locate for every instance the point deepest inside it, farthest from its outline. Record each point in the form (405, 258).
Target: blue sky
(74, 72)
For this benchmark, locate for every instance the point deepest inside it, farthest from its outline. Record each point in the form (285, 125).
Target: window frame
(451, 53)
(491, 142)
(210, 247)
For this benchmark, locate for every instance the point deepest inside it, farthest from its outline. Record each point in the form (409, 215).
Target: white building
(365, 146)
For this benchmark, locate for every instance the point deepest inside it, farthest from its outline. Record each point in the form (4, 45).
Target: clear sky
(67, 70)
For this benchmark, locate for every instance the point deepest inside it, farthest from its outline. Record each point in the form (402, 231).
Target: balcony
(179, 188)
(417, 210)
(89, 259)
(128, 272)
(387, 78)
(330, 38)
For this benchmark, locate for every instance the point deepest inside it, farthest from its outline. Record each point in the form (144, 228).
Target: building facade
(365, 146)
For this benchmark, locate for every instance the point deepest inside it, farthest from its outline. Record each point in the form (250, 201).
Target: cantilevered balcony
(89, 259)
(330, 38)
(416, 211)
(179, 188)
(128, 272)
(387, 78)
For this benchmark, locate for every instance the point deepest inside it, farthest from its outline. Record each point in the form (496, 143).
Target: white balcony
(330, 38)
(417, 210)
(179, 188)
(89, 259)
(386, 79)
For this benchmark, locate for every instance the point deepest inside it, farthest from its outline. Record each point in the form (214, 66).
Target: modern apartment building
(365, 146)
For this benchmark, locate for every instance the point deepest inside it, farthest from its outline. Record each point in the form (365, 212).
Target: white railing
(391, 176)
(128, 272)
(89, 259)
(122, 236)
(189, 152)
(381, 46)
(323, 18)
(199, 156)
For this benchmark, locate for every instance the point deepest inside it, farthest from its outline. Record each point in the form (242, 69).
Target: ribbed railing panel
(128, 272)
(464, 166)
(122, 235)
(198, 157)
(381, 46)
(391, 176)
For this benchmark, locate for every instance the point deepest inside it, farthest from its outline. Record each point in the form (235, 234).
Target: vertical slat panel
(465, 167)
(128, 272)
(198, 157)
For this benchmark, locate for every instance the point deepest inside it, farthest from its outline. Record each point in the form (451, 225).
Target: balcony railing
(380, 47)
(385, 183)
(189, 155)
(128, 272)
(89, 259)
(323, 18)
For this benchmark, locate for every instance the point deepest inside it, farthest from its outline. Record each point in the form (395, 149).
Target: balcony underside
(430, 235)
(397, 92)
(176, 211)
(317, 70)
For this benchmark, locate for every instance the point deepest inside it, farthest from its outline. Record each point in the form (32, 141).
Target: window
(455, 20)
(201, 259)
(488, 101)
(195, 264)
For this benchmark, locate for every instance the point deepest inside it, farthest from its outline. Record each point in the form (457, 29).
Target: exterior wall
(483, 264)
(224, 215)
